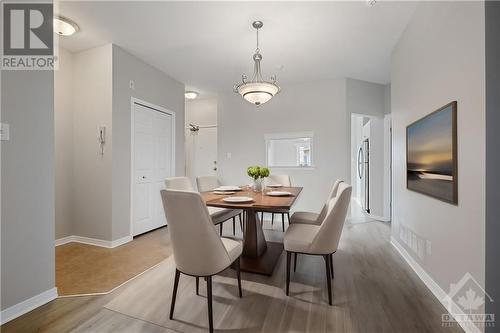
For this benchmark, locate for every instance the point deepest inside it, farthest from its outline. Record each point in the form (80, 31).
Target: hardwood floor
(373, 291)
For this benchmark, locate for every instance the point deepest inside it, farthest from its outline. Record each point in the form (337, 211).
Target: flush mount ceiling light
(64, 26)
(257, 91)
(190, 94)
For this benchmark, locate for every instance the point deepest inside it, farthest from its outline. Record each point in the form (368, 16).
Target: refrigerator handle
(360, 162)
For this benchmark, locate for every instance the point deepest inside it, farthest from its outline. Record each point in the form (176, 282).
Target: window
(290, 150)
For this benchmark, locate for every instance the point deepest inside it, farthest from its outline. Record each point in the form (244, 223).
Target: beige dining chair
(219, 215)
(323, 239)
(282, 180)
(190, 223)
(210, 183)
(315, 218)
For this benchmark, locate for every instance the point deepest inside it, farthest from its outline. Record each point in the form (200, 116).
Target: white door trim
(154, 107)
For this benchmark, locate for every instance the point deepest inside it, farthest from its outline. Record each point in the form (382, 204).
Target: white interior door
(153, 161)
(202, 152)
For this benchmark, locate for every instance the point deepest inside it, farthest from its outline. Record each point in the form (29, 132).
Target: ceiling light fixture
(257, 91)
(64, 26)
(190, 94)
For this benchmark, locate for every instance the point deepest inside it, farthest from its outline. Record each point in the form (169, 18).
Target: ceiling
(208, 45)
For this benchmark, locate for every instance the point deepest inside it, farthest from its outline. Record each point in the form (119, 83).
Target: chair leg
(221, 229)
(262, 217)
(331, 265)
(209, 299)
(241, 222)
(328, 278)
(288, 259)
(283, 220)
(272, 219)
(238, 275)
(174, 293)
(295, 262)
(234, 225)
(198, 286)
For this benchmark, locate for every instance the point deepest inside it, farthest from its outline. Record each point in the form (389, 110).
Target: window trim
(285, 136)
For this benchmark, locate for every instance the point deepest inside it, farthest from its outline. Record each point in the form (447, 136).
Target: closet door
(153, 162)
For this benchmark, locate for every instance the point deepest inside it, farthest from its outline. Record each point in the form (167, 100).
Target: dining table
(259, 256)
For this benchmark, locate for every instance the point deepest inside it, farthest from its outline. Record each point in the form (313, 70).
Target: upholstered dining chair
(282, 180)
(209, 183)
(218, 215)
(315, 218)
(190, 223)
(321, 240)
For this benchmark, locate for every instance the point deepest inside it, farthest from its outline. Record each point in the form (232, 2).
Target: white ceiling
(208, 45)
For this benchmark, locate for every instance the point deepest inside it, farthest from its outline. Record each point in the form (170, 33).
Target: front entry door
(153, 162)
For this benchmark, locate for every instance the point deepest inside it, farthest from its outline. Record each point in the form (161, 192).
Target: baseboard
(26, 306)
(440, 294)
(375, 217)
(93, 241)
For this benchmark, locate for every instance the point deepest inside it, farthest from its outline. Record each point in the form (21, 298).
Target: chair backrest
(327, 239)
(279, 179)
(207, 183)
(179, 183)
(333, 194)
(198, 249)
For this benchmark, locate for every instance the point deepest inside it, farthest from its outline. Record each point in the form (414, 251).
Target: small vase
(257, 185)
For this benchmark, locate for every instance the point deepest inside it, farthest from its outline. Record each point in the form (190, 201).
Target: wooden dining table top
(260, 199)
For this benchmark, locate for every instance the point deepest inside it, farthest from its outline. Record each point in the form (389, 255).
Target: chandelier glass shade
(257, 91)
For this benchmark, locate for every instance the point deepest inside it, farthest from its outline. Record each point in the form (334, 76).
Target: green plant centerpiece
(257, 173)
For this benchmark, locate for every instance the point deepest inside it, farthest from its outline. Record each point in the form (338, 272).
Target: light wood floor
(374, 291)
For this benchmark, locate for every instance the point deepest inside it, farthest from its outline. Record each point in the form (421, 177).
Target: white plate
(224, 192)
(274, 185)
(228, 188)
(237, 199)
(279, 193)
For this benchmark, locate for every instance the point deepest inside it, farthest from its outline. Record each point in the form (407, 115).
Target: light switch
(4, 132)
(228, 155)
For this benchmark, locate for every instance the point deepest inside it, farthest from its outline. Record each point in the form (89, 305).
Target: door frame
(154, 107)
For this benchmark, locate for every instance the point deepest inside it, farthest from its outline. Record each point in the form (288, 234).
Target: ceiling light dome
(64, 26)
(190, 94)
(257, 91)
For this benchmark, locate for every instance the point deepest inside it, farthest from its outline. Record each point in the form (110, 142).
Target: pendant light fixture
(257, 91)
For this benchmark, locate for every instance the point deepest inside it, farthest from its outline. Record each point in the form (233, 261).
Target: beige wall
(92, 171)
(441, 58)
(27, 177)
(318, 107)
(150, 85)
(63, 117)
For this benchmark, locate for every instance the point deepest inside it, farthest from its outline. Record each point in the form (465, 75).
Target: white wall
(27, 174)
(441, 58)
(318, 107)
(92, 171)
(365, 98)
(63, 117)
(201, 146)
(150, 85)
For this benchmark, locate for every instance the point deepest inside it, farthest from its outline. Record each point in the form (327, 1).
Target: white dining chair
(315, 218)
(219, 215)
(323, 239)
(284, 180)
(210, 183)
(198, 250)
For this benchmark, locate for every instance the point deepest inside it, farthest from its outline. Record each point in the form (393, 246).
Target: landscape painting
(431, 154)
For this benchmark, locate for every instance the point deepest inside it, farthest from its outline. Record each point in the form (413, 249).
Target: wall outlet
(131, 84)
(228, 156)
(4, 132)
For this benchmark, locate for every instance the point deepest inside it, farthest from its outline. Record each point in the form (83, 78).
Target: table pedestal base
(265, 263)
(258, 255)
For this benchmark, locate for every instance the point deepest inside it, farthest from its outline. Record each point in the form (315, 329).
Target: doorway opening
(371, 165)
